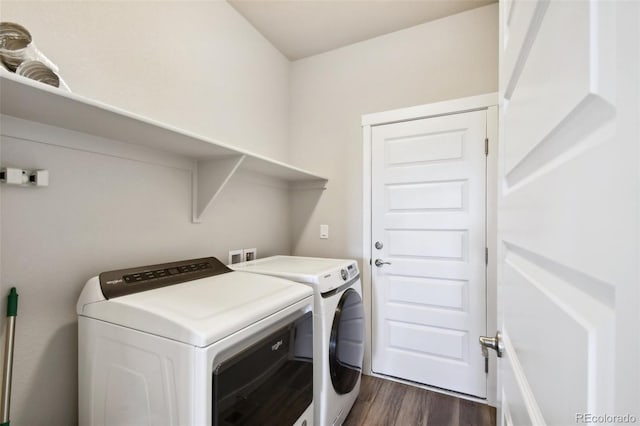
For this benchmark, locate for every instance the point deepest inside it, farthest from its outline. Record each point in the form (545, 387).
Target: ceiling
(301, 28)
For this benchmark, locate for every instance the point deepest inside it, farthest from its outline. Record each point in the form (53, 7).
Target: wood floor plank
(443, 410)
(472, 414)
(492, 415)
(386, 403)
(369, 388)
(414, 409)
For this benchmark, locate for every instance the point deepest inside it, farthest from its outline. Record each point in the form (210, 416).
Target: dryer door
(346, 347)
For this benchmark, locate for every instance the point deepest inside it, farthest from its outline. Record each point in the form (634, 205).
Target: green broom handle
(12, 312)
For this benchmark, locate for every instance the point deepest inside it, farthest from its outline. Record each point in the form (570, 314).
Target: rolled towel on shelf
(19, 54)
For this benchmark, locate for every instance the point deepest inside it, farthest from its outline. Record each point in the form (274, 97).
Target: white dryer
(339, 327)
(194, 343)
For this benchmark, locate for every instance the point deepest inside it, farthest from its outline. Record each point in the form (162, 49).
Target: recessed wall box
(236, 256)
(250, 254)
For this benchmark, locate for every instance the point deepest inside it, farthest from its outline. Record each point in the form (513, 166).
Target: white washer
(339, 330)
(194, 343)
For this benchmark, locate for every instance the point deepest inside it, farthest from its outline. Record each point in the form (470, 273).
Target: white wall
(445, 59)
(197, 65)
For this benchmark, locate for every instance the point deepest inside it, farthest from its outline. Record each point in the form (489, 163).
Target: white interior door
(568, 212)
(428, 223)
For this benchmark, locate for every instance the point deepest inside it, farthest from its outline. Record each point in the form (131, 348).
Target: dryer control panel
(143, 278)
(329, 283)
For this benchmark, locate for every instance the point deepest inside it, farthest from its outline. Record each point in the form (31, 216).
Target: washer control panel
(134, 280)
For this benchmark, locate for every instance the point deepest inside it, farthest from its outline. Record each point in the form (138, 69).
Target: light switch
(324, 232)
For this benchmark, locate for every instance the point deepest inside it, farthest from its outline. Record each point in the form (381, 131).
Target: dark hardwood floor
(386, 403)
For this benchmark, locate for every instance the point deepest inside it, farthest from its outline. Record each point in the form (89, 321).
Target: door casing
(488, 102)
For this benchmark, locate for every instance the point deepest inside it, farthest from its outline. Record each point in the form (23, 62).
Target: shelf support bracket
(209, 178)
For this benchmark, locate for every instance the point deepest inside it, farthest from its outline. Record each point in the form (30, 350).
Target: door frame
(488, 102)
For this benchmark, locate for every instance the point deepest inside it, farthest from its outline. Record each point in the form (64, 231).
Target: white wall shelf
(216, 161)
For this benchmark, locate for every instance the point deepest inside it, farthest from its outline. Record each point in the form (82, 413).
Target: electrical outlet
(14, 176)
(39, 178)
(236, 256)
(22, 177)
(250, 254)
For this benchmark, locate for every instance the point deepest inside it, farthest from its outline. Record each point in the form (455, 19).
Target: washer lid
(324, 274)
(198, 312)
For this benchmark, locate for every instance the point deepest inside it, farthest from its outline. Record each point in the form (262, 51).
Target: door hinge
(486, 146)
(486, 365)
(486, 255)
